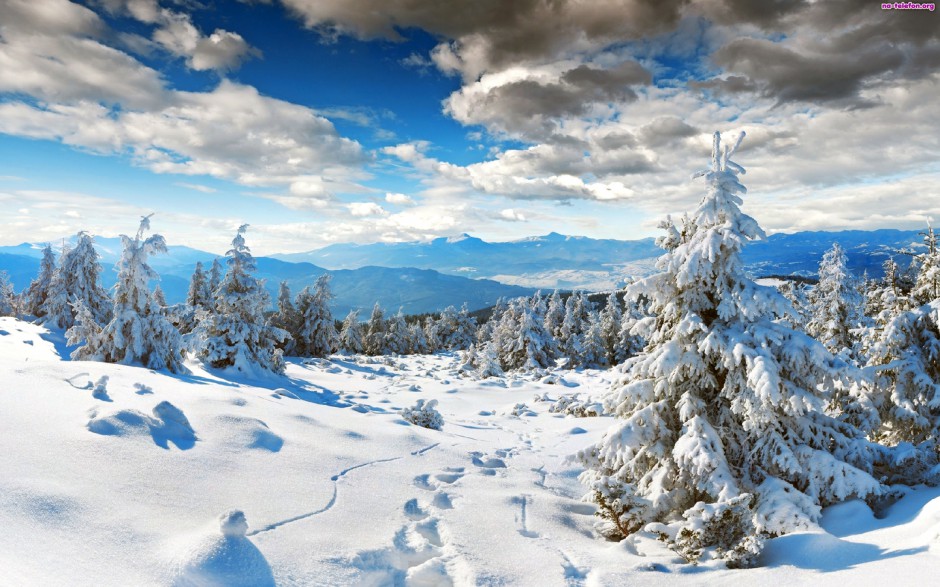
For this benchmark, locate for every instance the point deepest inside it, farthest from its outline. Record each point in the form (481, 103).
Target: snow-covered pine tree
(555, 315)
(350, 336)
(373, 341)
(610, 318)
(288, 318)
(159, 297)
(215, 279)
(35, 296)
(138, 333)
(432, 334)
(795, 293)
(835, 303)
(317, 336)
(396, 334)
(8, 301)
(904, 363)
(722, 415)
(593, 348)
(927, 286)
(199, 294)
(417, 342)
(77, 279)
(237, 335)
(521, 340)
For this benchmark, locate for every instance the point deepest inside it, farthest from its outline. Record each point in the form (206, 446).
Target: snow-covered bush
(724, 401)
(573, 405)
(424, 414)
(727, 527)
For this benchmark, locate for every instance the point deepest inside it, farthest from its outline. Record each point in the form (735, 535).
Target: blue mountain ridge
(428, 276)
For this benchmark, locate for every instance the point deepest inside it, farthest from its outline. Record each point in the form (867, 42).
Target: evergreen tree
(200, 293)
(350, 337)
(432, 334)
(835, 303)
(317, 336)
(593, 349)
(417, 343)
(215, 279)
(721, 418)
(159, 297)
(237, 335)
(521, 340)
(138, 333)
(8, 302)
(35, 296)
(374, 340)
(905, 365)
(77, 280)
(396, 335)
(611, 318)
(288, 319)
(555, 315)
(927, 285)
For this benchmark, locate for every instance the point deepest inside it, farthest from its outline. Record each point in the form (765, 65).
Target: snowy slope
(98, 488)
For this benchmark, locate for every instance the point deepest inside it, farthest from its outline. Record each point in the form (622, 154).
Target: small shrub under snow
(423, 414)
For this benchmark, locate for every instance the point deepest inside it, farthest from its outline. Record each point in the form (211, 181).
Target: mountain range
(428, 276)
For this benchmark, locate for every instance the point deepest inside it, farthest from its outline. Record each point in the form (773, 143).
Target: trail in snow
(335, 479)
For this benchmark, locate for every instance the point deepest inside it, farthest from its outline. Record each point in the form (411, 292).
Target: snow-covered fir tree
(417, 342)
(721, 417)
(927, 285)
(138, 332)
(237, 335)
(593, 348)
(200, 293)
(35, 296)
(159, 297)
(316, 336)
(521, 340)
(373, 340)
(554, 315)
(76, 280)
(835, 303)
(396, 335)
(8, 301)
(215, 278)
(905, 365)
(795, 293)
(432, 334)
(350, 336)
(288, 319)
(610, 319)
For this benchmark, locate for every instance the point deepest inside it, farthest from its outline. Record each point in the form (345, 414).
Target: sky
(325, 121)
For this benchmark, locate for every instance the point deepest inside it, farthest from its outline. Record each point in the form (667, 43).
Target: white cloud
(362, 209)
(196, 187)
(400, 199)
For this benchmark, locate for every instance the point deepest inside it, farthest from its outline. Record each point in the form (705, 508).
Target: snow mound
(224, 558)
(245, 432)
(168, 424)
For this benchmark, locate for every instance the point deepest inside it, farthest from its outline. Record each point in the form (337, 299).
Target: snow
(314, 478)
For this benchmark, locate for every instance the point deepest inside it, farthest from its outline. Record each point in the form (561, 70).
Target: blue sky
(322, 121)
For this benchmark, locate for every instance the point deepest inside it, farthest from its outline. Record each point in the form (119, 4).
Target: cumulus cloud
(361, 209)
(175, 32)
(400, 199)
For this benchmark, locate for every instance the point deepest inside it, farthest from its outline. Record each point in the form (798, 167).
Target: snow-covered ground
(101, 483)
